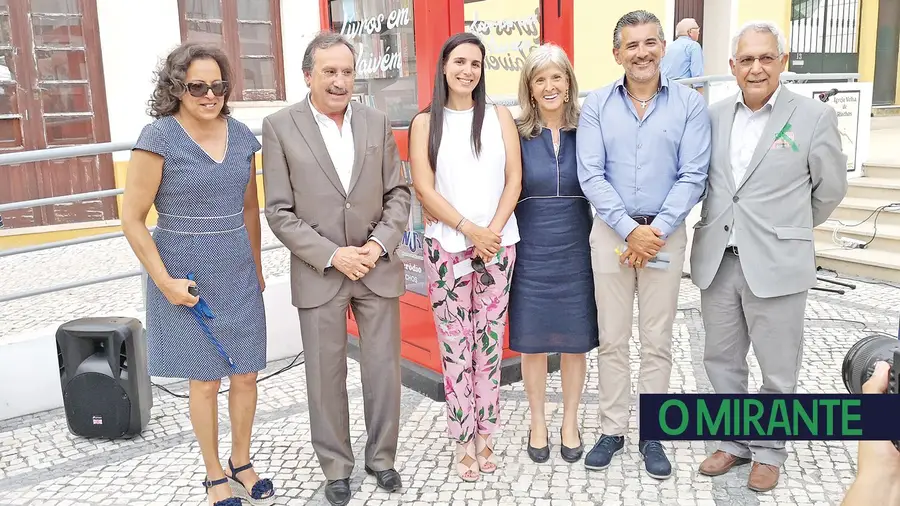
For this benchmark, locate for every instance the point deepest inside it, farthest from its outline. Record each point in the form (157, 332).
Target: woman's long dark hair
(441, 92)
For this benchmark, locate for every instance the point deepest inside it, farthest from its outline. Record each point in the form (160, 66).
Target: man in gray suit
(777, 171)
(335, 196)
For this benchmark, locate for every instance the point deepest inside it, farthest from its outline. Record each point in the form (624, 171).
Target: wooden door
(54, 97)
(689, 9)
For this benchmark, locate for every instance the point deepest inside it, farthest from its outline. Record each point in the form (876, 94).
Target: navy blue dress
(551, 304)
(201, 231)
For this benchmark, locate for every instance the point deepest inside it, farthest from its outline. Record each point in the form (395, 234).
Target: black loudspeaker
(104, 377)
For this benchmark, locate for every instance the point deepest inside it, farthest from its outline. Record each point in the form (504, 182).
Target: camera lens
(859, 363)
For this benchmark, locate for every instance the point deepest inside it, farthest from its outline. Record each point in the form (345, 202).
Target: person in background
(643, 153)
(684, 56)
(551, 305)
(467, 172)
(336, 197)
(197, 165)
(778, 170)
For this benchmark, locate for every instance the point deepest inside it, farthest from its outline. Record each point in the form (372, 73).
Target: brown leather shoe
(720, 463)
(763, 477)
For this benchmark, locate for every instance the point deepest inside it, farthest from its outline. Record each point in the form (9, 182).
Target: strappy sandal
(469, 472)
(487, 464)
(231, 501)
(262, 493)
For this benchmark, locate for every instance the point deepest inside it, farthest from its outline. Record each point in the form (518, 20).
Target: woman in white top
(467, 173)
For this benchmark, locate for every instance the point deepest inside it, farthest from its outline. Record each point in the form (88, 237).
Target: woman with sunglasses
(205, 313)
(467, 172)
(551, 307)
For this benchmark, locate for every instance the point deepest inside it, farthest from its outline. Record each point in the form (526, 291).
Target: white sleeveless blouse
(471, 184)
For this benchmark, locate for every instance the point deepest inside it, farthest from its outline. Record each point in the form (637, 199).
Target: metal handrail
(112, 147)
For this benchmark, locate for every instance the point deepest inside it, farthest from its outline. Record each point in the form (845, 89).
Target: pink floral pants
(470, 319)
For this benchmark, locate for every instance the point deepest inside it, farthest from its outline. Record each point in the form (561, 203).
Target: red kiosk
(398, 44)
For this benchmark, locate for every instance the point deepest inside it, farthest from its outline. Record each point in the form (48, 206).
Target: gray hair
(324, 40)
(542, 57)
(169, 78)
(685, 25)
(759, 27)
(636, 18)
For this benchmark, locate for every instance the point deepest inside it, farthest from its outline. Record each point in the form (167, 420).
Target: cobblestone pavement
(41, 463)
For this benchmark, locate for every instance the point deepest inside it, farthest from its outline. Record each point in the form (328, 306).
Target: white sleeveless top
(471, 184)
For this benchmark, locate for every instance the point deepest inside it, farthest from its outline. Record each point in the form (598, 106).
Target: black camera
(859, 364)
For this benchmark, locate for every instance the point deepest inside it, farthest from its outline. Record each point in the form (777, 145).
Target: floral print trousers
(470, 319)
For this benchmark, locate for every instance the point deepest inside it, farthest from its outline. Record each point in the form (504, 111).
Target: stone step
(867, 263)
(854, 210)
(885, 238)
(874, 188)
(882, 170)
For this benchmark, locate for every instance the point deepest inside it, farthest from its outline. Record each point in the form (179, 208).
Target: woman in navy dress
(196, 164)
(552, 307)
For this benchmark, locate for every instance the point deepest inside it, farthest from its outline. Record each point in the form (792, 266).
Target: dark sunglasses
(479, 267)
(200, 89)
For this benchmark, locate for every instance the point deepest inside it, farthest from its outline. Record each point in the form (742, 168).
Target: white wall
(132, 51)
(716, 37)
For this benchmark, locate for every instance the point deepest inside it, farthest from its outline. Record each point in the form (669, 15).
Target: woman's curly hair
(169, 78)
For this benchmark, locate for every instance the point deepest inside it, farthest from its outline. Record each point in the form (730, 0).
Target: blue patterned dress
(201, 232)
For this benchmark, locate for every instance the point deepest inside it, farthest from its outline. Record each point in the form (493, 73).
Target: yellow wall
(778, 11)
(595, 21)
(868, 20)
(46, 235)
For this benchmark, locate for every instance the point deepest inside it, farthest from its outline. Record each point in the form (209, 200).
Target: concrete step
(882, 170)
(867, 263)
(886, 110)
(874, 188)
(854, 210)
(885, 238)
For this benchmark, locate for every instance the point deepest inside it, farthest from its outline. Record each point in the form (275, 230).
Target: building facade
(80, 71)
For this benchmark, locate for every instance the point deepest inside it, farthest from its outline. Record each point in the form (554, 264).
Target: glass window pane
(65, 98)
(259, 74)
(256, 39)
(56, 6)
(10, 133)
(7, 71)
(203, 9)
(61, 65)
(5, 37)
(57, 31)
(69, 130)
(253, 10)
(209, 32)
(8, 100)
(382, 31)
(510, 30)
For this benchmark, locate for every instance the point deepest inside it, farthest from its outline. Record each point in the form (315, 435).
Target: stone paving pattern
(42, 463)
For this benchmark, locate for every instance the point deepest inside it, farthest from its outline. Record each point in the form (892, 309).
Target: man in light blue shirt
(643, 152)
(684, 56)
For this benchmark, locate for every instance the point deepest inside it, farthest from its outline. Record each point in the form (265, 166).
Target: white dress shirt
(746, 132)
(339, 143)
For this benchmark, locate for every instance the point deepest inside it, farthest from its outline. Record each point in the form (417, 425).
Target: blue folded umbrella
(200, 311)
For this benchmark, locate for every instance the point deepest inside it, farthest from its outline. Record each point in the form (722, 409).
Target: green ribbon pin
(782, 135)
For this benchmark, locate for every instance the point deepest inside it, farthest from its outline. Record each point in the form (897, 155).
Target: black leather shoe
(338, 492)
(388, 479)
(571, 455)
(539, 455)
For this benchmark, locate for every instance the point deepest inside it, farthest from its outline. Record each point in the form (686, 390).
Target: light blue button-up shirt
(683, 59)
(652, 167)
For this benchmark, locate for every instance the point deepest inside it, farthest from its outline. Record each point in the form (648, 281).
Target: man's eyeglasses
(481, 269)
(764, 60)
(200, 89)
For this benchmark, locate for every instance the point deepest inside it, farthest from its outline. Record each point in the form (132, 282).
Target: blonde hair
(529, 122)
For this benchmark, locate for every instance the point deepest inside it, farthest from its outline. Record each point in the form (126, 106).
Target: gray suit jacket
(784, 194)
(310, 213)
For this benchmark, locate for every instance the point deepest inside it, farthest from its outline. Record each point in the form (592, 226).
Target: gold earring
(567, 97)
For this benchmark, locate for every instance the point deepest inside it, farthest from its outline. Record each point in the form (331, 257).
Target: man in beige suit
(777, 170)
(335, 196)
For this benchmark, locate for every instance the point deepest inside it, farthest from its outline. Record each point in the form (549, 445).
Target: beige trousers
(657, 294)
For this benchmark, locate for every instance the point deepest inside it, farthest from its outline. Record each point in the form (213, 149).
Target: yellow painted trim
(897, 88)
(868, 21)
(22, 237)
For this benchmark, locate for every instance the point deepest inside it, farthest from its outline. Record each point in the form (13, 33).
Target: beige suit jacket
(311, 214)
(789, 188)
